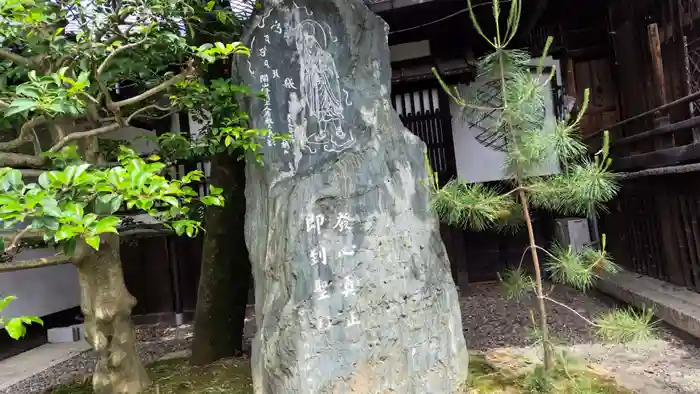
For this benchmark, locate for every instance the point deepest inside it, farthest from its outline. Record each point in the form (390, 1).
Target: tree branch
(19, 59)
(26, 233)
(157, 89)
(25, 135)
(146, 108)
(18, 160)
(103, 66)
(114, 53)
(84, 134)
(36, 143)
(15, 143)
(36, 263)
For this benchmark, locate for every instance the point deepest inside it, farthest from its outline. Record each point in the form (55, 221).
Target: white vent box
(573, 232)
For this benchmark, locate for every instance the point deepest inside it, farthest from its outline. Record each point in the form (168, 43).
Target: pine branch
(36, 263)
(576, 191)
(470, 205)
(627, 325)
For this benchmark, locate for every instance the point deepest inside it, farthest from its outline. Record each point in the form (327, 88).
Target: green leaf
(44, 180)
(19, 105)
(179, 228)
(84, 77)
(69, 246)
(108, 204)
(114, 177)
(6, 301)
(171, 200)
(208, 200)
(63, 234)
(215, 191)
(45, 222)
(107, 225)
(15, 328)
(79, 170)
(50, 207)
(28, 90)
(15, 178)
(70, 172)
(74, 210)
(31, 319)
(93, 241)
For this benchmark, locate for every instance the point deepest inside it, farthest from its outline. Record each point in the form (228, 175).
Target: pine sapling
(582, 187)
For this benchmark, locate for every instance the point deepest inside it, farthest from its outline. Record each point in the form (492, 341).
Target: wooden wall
(597, 76)
(150, 276)
(653, 228)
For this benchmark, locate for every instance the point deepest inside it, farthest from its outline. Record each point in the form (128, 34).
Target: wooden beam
(664, 157)
(683, 100)
(665, 129)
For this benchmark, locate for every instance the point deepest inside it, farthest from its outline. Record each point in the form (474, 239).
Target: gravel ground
(84, 364)
(490, 321)
(670, 364)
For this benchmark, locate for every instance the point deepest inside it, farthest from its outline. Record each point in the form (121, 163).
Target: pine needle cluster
(583, 185)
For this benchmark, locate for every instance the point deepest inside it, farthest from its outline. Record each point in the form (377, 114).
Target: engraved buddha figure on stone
(319, 86)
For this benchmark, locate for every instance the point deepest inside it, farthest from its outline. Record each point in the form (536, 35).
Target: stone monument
(353, 288)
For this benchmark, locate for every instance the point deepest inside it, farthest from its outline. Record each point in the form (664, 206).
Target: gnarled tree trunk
(226, 272)
(106, 305)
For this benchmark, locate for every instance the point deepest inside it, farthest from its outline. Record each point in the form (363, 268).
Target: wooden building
(641, 61)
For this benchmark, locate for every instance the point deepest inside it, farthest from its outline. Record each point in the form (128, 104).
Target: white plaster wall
(477, 163)
(40, 291)
(474, 162)
(132, 134)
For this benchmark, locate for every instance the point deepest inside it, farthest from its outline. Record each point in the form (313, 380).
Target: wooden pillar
(660, 118)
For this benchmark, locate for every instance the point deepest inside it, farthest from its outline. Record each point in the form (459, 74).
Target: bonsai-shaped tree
(70, 73)
(582, 187)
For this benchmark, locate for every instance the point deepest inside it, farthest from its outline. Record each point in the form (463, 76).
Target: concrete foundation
(675, 305)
